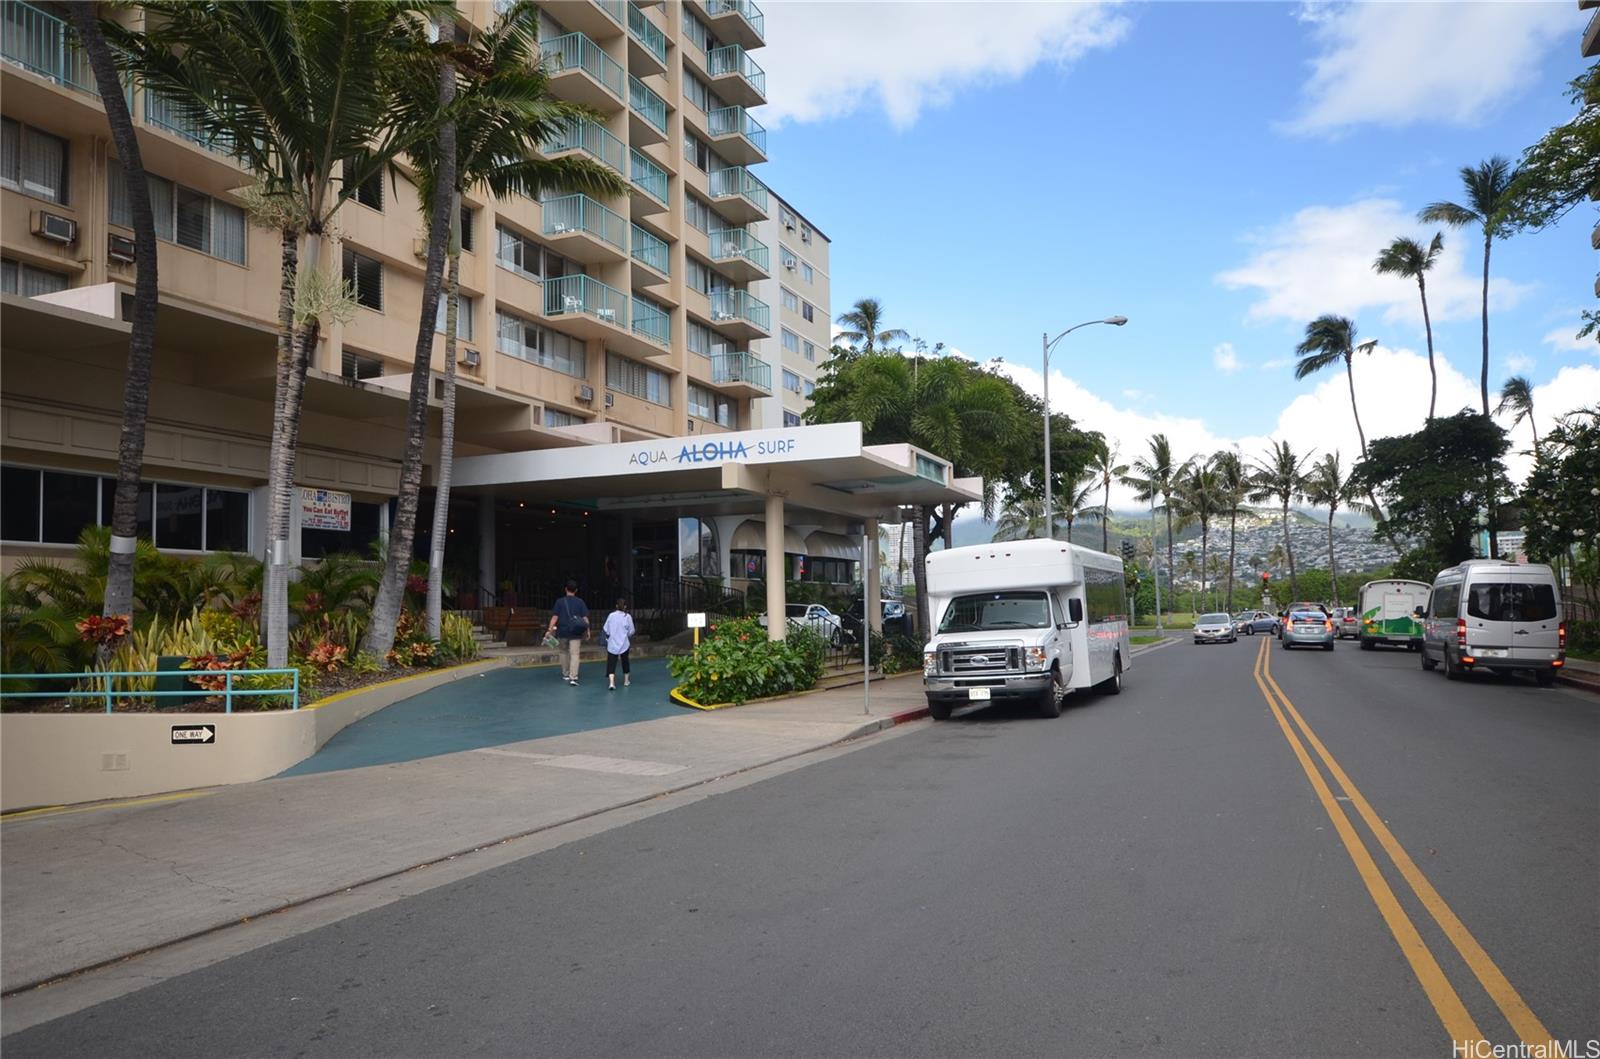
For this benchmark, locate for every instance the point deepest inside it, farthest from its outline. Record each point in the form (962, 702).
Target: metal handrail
(111, 694)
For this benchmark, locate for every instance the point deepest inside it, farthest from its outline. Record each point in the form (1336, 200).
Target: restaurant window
(55, 507)
(698, 554)
(366, 529)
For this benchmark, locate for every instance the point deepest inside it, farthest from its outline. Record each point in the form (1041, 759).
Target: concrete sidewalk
(91, 884)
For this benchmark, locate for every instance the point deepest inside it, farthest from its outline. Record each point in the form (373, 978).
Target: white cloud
(1320, 261)
(1397, 64)
(1516, 363)
(1565, 340)
(1225, 359)
(1136, 395)
(826, 59)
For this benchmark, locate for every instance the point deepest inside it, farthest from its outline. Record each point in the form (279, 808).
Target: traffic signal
(1265, 577)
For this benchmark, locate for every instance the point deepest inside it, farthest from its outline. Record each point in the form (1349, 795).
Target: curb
(1587, 682)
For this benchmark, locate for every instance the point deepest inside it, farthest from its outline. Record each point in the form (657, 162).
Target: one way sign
(194, 733)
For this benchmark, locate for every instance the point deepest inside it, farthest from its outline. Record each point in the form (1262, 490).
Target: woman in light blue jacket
(618, 632)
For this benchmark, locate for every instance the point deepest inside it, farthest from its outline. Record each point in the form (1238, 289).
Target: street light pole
(1049, 344)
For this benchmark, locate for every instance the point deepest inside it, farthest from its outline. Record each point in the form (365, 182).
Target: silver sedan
(1308, 628)
(1214, 628)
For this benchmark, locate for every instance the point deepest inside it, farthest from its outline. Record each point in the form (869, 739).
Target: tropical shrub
(736, 662)
(456, 637)
(897, 654)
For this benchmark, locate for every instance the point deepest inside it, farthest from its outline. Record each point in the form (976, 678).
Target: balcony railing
(650, 250)
(575, 51)
(652, 323)
(736, 242)
(580, 213)
(729, 368)
(737, 180)
(740, 305)
(647, 176)
(592, 139)
(584, 294)
(647, 104)
(41, 43)
(736, 121)
(732, 59)
(646, 33)
(744, 9)
(165, 113)
(612, 8)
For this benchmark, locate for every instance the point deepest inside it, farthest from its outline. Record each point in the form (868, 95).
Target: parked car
(1214, 628)
(1495, 615)
(1251, 622)
(817, 618)
(1346, 623)
(896, 619)
(1308, 628)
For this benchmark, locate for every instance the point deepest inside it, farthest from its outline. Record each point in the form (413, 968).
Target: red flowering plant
(215, 662)
(327, 655)
(104, 630)
(248, 608)
(417, 585)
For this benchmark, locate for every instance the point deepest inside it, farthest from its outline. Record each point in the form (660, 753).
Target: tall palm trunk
(1333, 570)
(1105, 519)
(447, 430)
(919, 567)
(1288, 551)
(142, 334)
(1233, 531)
(1069, 529)
(391, 589)
(1170, 568)
(1427, 324)
(1483, 378)
(1350, 377)
(1155, 563)
(1205, 568)
(281, 454)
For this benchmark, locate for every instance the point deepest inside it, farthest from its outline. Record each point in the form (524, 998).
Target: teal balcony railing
(737, 180)
(165, 113)
(650, 250)
(580, 213)
(652, 323)
(647, 176)
(741, 367)
(744, 9)
(647, 104)
(575, 51)
(612, 8)
(646, 33)
(732, 59)
(736, 121)
(571, 295)
(740, 305)
(592, 139)
(41, 43)
(736, 242)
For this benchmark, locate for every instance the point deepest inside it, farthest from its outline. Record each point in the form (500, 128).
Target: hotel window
(696, 92)
(791, 419)
(806, 272)
(30, 282)
(787, 258)
(355, 366)
(538, 345)
(465, 308)
(54, 507)
(556, 418)
(811, 352)
(699, 213)
(637, 380)
(468, 226)
(700, 277)
(787, 217)
(805, 232)
(182, 215)
(696, 153)
(697, 31)
(715, 407)
(518, 253)
(791, 381)
(32, 162)
(369, 192)
(790, 299)
(806, 312)
(810, 387)
(791, 341)
(365, 276)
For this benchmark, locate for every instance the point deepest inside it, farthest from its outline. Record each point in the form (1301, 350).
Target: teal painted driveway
(499, 707)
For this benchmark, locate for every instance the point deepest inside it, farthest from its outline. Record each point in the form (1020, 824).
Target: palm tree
(504, 112)
(1489, 201)
(1156, 477)
(1076, 504)
(1408, 258)
(1328, 486)
(300, 90)
(1199, 501)
(1105, 466)
(1233, 486)
(1329, 340)
(1280, 476)
(1516, 396)
(865, 321)
(142, 330)
(1022, 518)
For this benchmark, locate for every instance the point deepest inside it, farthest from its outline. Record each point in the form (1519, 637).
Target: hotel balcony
(653, 326)
(593, 140)
(587, 308)
(580, 70)
(585, 231)
(740, 254)
(742, 374)
(41, 43)
(736, 77)
(740, 313)
(600, 19)
(738, 21)
(647, 113)
(739, 196)
(649, 184)
(647, 45)
(737, 136)
(652, 263)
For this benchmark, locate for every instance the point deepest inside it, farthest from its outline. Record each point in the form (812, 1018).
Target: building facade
(798, 291)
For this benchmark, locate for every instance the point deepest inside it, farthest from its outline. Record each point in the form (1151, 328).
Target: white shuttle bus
(1023, 620)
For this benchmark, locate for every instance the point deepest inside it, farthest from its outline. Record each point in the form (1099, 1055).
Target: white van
(1496, 615)
(1387, 613)
(1029, 620)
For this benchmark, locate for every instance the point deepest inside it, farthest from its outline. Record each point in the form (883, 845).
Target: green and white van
(1387, 613)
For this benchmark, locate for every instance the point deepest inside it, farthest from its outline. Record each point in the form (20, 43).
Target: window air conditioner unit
(789, 265)
(611, 398)
(119, 248)
(585, 393)
(419, 249)
(469, 357)
(789, 225)
(54, 227)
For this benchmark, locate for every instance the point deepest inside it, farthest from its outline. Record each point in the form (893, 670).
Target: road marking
(1452, 1013)
(1500, 990)
(68, 810)
(588, 763)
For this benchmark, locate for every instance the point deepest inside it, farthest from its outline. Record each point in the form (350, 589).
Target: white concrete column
(777, 579)
(869, 578)
(486, 557)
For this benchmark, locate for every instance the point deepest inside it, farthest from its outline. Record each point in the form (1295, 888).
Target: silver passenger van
(1496, 615)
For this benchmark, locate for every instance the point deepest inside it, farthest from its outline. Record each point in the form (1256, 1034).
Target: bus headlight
(930, 663)
(1035, 659)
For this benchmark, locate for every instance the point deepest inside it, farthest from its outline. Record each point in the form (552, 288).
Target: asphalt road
(1150, 874)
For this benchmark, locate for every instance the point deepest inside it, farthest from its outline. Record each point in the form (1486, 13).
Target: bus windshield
(997, 610)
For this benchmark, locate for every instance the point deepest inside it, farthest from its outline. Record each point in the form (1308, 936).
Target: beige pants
(569, 657)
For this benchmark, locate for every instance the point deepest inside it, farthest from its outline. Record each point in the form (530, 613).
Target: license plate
(1491, 652)
(978, 694)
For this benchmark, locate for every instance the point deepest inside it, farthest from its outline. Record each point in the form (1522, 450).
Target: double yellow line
(1446, 1002)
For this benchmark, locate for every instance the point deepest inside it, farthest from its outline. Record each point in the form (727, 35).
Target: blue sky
(1219, 173)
